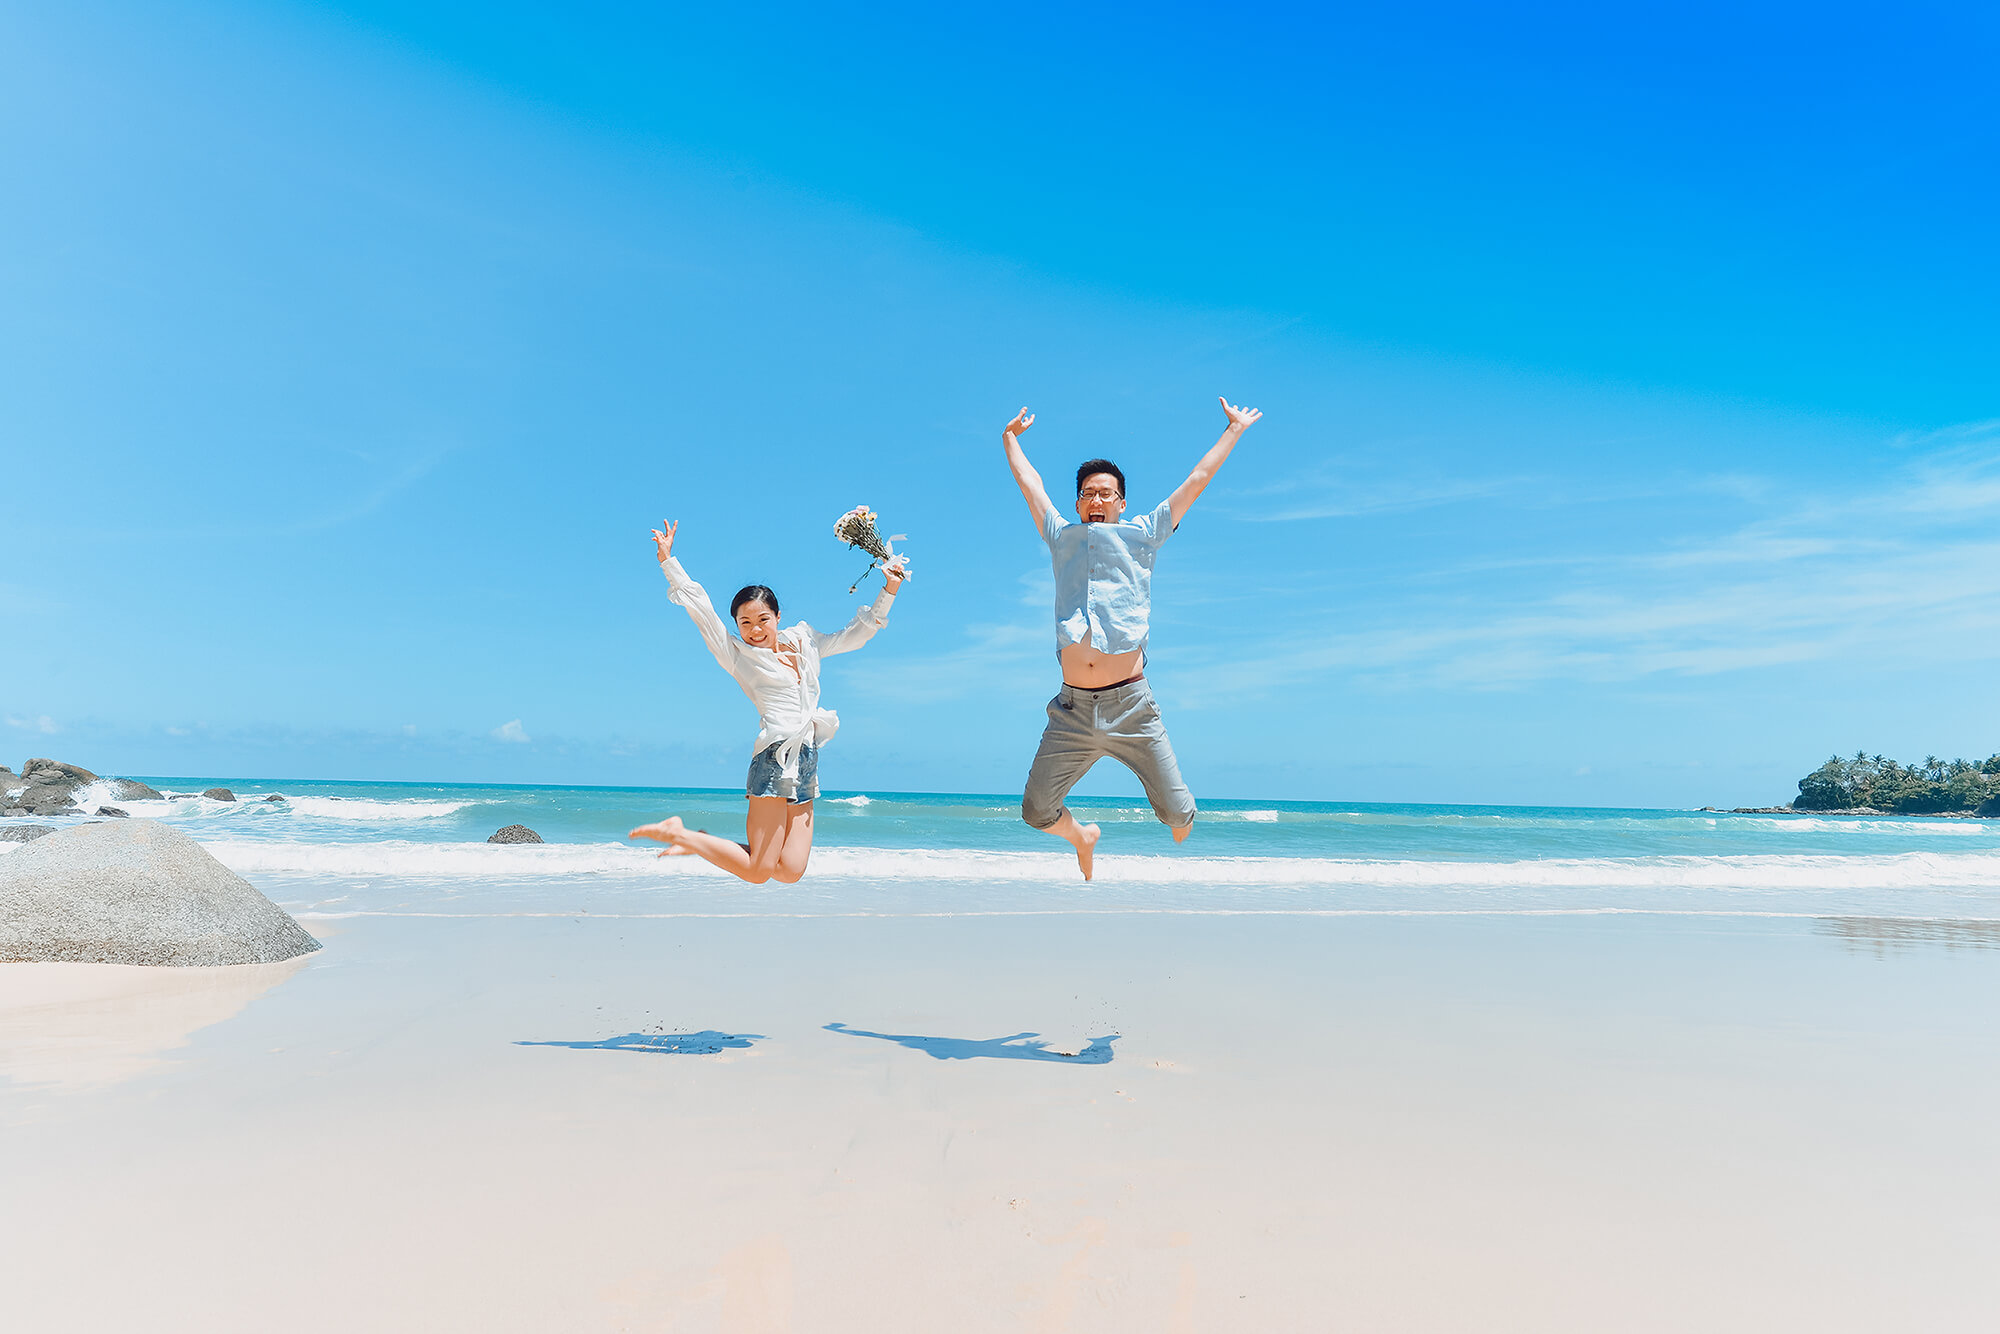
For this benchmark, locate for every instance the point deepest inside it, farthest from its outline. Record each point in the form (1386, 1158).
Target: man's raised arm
(1240, 420)
(1025, 475)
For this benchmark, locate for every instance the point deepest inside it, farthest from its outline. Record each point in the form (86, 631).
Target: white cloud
(510, 731)
(41, 723)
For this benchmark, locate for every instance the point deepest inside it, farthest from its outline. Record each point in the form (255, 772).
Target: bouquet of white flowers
(857, 529)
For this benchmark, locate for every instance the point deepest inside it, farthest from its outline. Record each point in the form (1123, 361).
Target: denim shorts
(767, 778)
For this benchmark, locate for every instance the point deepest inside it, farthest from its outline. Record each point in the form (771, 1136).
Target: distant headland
(1876, 785)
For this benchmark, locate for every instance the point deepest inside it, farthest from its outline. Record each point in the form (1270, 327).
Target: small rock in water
(275, 796)
(131, 789)
(113, 811)
(514, 833)
(24, 833)
(219, 794)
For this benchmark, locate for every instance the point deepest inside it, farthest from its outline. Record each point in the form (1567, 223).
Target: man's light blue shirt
(1104, 578)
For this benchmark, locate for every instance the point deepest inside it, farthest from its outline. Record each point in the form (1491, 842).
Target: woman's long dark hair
(753, 593)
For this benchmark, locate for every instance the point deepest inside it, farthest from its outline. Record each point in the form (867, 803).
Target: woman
(779, 671)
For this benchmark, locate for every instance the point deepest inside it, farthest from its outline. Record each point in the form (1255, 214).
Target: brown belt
(1113, 686)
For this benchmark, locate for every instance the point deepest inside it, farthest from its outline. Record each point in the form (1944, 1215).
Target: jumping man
(1104, 602)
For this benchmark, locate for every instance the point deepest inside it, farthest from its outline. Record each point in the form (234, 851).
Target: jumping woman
(779, 671)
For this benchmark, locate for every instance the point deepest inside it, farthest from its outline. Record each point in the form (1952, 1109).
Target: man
(1104, 602)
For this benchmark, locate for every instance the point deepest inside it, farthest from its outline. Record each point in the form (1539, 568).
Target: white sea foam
(1809, 825)
(1911, 870)
(366, 808)
(851, 801)
(1690, 822)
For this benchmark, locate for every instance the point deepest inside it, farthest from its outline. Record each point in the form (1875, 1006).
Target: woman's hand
(663, 539)
(1022, 421)
(1241, 418)
(896, 571)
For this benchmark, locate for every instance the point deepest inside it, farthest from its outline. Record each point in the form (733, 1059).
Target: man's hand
(663, 539)
(1022, 421)
(1240, 418)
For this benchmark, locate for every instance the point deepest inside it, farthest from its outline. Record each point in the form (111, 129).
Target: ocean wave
(366, 808)
(1805, 824)
(1654, 824)
(851, 801)
(1912, 870)
(250, 804)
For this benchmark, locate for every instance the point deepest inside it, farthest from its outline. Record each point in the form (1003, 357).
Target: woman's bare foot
(1180, 835)
(669, 831)
(1085, 844)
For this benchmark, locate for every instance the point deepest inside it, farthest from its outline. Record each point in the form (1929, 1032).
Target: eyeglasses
(1098, 495)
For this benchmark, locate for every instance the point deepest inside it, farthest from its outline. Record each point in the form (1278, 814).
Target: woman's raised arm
(869, 619)
(692, 596)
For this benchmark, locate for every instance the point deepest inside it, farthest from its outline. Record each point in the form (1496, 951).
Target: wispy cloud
(41, 723)
(1909, 571)
(511, 731)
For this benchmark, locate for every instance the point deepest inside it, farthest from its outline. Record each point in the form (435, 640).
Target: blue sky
(1632, 425)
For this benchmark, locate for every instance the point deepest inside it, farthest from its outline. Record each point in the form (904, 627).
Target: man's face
(1098, 501)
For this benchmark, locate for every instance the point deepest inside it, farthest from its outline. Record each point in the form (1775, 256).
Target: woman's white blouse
(787, 702)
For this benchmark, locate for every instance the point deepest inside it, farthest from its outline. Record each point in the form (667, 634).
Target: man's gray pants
(1087, 725)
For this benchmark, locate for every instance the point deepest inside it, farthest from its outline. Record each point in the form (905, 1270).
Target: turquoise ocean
(340, 849)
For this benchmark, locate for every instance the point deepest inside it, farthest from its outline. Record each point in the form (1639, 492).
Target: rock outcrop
(136, 892)
(514, 833)
(219, 794)
(43, 787)
(24, 833)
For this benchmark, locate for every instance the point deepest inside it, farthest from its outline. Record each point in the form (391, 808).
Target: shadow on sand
(1016, 1047)
(706, 1043)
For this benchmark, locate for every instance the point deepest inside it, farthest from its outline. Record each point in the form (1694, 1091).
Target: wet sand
(1277, 1123)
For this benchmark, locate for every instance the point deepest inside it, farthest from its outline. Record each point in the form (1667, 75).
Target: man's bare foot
(1085, 844)
(669, 831)
(1180, 835)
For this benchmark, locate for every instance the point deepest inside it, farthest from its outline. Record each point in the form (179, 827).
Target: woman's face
(758, 624)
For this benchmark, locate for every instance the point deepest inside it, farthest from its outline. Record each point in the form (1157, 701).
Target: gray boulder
(114, 812)
(131, 789)
(136, 892)
(275, 796)
(47, 788)
(514, 833)
(74, 774)
(46, 799)
(24, 833)
(219, 794)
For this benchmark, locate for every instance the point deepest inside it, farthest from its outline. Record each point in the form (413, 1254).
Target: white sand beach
(1305, 1123)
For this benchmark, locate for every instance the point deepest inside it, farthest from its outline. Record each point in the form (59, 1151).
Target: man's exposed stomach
(1092, 668)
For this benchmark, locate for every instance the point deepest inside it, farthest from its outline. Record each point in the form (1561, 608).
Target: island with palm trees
(1876, 785)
